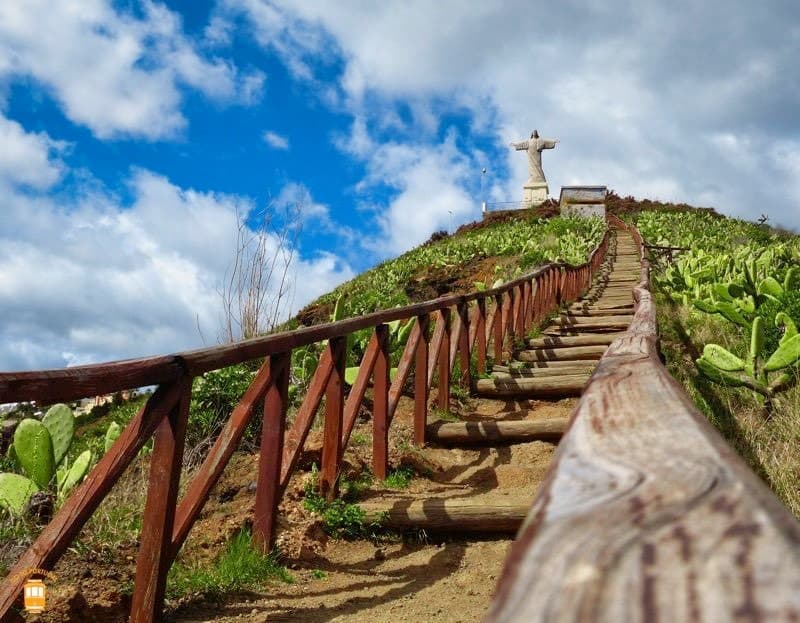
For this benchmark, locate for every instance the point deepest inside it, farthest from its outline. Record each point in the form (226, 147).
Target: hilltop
(726, 274)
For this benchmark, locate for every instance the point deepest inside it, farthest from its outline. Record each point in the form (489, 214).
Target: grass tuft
(400, 478)
(242, 566)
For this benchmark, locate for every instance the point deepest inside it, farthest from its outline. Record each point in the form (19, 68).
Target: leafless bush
(257, 285)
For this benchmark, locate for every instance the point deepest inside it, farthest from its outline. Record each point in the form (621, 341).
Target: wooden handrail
(167, 520)
(96, 379)
(646, 513)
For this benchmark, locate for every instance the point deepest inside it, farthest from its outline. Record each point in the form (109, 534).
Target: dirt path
(450, 579)
(418, 575)
(421, 577)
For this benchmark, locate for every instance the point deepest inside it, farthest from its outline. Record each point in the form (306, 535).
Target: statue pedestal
(535, 193)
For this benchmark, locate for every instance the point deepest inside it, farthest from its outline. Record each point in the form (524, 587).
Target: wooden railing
(646, 513)
(462, 325)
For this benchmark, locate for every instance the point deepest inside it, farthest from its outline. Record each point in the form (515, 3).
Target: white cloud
(91, 281)
(428, 184)
(637, 102)
(110, 71)
(27, 158)
(275, 140)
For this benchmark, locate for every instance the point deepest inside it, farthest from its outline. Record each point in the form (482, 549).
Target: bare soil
(411, 577)
(419, 577)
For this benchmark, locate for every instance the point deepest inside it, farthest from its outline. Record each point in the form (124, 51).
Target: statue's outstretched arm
(549, 143)
(520, 145)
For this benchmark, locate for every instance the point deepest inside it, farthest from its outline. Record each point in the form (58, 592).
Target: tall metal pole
(483, 197)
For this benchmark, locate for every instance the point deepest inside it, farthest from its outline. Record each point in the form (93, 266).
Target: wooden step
(576, 340)
(613, 290)
(540, 365)
(494, 431)
(479, 514)
(580, 367)
(578, 312)
(591, 321)
(607, 303)
(551, 386)
(561, 353)
(559, 330)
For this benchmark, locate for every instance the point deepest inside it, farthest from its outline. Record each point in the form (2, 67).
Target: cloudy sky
(132, 133)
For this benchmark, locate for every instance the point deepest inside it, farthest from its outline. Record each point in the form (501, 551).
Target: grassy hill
(729, 307)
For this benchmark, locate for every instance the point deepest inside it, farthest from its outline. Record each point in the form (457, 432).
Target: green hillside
(484, 252)
(728, 311)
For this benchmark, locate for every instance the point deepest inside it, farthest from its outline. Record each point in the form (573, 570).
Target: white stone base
(535, 193)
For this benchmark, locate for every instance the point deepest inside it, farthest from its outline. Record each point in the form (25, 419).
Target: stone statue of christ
(534, 147)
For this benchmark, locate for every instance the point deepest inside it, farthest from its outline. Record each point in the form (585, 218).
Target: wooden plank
(647, 514)
(79, 506)
(552, 386)
(584, 368)
(592, 321)
(403, 370)
(359, 388)
(154, 560)
(334, 412)
(296, 437)
(541, 365)
(421, 383)
(556, 341)
(434, 346)
(481, 335)
(463, 346)
(498, 329)
(49, 386)
(500, 431)
(564, 353)
(443, 395)
(217, 458)
(273, 428)
(496, 515)
(578, 312)
(380, 402)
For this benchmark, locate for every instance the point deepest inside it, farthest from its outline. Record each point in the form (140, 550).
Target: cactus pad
(112, 434)
(788, 354)
(60, 423)
(756, 338)
(15, 491)
(34, 451)
(76, 472)
(723, 359)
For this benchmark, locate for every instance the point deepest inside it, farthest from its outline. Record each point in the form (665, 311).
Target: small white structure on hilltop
(583, 201)
(535, 190)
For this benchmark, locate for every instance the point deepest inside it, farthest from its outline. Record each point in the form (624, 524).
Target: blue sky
(131, 134)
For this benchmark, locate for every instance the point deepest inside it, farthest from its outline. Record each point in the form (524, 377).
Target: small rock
(252, 487)
(380, 554)
(40, 507)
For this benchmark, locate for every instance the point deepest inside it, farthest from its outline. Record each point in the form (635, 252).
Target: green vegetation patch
(533, 241)
(242, 566)
(728, 312)
(400, 478)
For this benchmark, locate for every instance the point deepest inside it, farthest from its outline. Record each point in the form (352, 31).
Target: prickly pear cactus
(788, 354)
(721, 358)
(76, 473)
(60, 423)
(112, 434)
(15, 491)
(34, 450)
